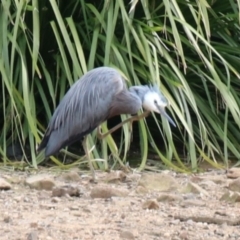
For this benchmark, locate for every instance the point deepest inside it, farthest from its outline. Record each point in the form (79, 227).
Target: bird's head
(153, 100)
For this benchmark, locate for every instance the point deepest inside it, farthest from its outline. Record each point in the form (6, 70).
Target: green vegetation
(189, 48)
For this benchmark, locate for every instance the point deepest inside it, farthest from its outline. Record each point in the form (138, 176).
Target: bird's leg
(131, 130)
(131, 120)
(85, 147)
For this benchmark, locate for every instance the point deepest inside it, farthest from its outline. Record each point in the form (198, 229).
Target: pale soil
(34, 214)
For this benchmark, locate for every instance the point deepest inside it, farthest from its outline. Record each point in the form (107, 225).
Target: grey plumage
(97, 96)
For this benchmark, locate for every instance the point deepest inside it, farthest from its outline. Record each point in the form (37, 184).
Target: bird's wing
(85, 106)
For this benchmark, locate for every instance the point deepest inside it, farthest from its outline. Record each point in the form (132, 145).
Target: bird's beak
(163, 112)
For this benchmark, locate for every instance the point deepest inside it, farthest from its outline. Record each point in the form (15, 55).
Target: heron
(98, 95)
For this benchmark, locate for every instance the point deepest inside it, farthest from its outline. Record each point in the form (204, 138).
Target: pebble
(7, 218)
(234, 185)
(18, 198)
(190, 222)
(233, 173)
(34, 225)
(40, 182)
(159, 182)
(230, 196)
(184, 235)
(32, 236)
(167, 235)
(217, 179)
(74, 208)
(126, 235)
(115, 177)
(105, 191)
(190, 202)
(175, 222)
(141, 190)
(56, 199)
(70, 190)
(219, 232)
(4, 185)
(71, 176)
(168, 197)
(150, 204)
(194, 188)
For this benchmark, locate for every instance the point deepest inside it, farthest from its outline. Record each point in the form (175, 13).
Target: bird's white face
(152, 102)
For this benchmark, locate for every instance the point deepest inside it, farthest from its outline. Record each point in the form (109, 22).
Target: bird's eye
(155, 101)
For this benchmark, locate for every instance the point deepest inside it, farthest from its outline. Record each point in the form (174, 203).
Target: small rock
(190, 222)
(175, 222)
(77, 213)
(33, 225)
(165, 197)
(56, 199)
(71, 176)
(234, 235)
(48, 206)
(150, 204)
(4, 185)
(233, 173)
(206, 226)
(189, 195)
(207, 184)
(70, 190)
(230, 196)
(134, 177)
(175, 238)
(116, 176)
(13, 179)
(221, 213)
(74, 208)
(7, 218)
(43, 195)
(167, 235)
(107, 192)
(126, 235)
(194, 188)
(141, 190)
(199, 224)
(40, 182)
(219, 232)
(158, 182)
(18, 198)
(32, 236)
(184, 235)
(217, 179)
(190, 203)
(235, 185)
